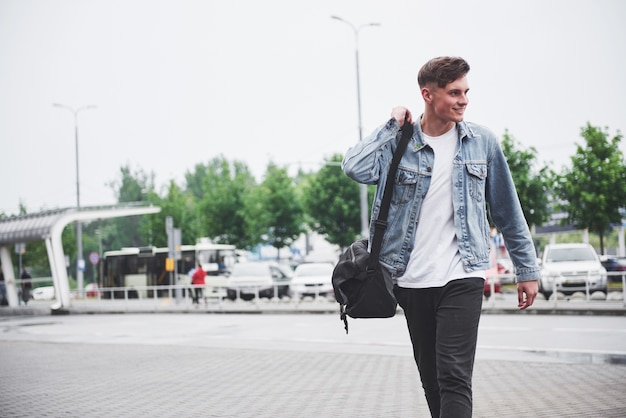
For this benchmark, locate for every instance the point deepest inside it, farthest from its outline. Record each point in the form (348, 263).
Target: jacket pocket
(477, 174)
(404, 186)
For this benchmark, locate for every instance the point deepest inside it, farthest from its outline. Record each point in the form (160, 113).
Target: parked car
(313, 279)
(493, 276)
(571, 267)
(506, 270)
(497, 285)
(92, 291)
(43, 293)
(265, 279)
(613, 265)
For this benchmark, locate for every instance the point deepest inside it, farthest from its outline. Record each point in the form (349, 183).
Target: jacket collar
(464, 130)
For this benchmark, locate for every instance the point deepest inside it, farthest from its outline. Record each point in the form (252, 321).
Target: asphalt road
(542, 338)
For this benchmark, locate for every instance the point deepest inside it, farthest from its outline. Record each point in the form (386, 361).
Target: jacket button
(429, 169)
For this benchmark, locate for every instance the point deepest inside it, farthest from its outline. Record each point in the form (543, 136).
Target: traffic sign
(94, 258)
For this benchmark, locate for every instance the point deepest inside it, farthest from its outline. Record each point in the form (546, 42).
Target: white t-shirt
(435, 259)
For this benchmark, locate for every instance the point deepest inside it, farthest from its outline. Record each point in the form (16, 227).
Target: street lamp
(80, 262)
(363, 187)
(99, 234)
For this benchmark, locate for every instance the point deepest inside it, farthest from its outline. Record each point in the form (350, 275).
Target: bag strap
(380, 224)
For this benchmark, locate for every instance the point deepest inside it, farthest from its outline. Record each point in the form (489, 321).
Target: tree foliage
(594, 189)
(177, 204)
(274, 212)
(137, 187)
(222, 215)
(331, 201)
(532, 186)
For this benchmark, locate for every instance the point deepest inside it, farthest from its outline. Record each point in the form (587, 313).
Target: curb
(598, 308)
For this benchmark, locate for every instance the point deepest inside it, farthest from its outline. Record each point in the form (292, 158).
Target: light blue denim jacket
(480, 176)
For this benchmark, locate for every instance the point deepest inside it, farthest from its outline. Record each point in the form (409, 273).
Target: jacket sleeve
(507, 215)
(363, 162)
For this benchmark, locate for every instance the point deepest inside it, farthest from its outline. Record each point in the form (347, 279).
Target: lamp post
(363, 187)
(99, 234)
(80, 262)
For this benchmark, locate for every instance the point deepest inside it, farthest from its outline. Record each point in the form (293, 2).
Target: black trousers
(197, 294)
(443, 326)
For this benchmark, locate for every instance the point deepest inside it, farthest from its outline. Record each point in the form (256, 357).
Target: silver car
(569, 268)
(313, 279)
(258, 279)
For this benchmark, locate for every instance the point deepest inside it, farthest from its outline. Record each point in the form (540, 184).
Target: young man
(436, 245)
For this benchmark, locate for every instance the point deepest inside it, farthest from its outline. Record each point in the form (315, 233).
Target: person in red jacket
(197, 280)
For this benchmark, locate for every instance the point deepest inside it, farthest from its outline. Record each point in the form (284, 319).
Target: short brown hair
(442, 70)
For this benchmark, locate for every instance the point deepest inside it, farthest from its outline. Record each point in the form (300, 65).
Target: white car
(312, 279)
(43, 293)
(258, 279)
(569, 268)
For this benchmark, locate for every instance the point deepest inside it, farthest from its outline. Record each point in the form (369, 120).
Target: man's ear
(426, 95)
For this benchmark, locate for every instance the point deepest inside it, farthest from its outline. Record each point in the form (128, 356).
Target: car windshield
(314, 269)
(570, 254)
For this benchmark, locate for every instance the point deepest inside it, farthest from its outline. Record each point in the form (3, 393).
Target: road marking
(589, 330)
(551, 350)
(592, 330)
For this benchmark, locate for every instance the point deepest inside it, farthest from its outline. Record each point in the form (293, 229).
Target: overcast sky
(177, 83)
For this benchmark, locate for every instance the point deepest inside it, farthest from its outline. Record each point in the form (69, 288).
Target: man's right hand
(401, 114)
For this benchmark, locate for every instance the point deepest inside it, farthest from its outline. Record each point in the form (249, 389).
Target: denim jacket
(480, 176)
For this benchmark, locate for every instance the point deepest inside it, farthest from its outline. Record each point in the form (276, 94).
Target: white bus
(138, 267)
(216, 259)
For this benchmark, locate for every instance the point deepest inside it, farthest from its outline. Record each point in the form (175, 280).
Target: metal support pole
(80, 261)
(624, 289)
(100, 280)
(363, 201)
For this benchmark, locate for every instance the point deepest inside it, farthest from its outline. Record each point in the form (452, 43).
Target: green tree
(274, 213)
(532, 187)
(35, 255)
(221, 211)
(178, 204)
(195, 179)
(594, 189)
(137, 187)
(331, 202)
(91, 243)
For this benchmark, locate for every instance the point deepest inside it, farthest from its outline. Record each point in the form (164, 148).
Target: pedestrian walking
(3, 290)
(437, 241)
(26, 285)
(197, 281)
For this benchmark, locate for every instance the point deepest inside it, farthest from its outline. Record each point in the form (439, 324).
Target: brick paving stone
(41, 379)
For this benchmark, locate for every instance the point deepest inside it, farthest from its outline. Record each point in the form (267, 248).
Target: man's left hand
(526, 293)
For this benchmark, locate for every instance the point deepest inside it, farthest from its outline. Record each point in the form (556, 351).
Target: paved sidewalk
(85, 380)
(88, 366)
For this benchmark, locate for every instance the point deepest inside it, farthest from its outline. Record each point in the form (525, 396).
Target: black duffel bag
(361, 289)
(359, 284)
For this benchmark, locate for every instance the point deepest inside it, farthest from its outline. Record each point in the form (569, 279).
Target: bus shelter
(48, 226)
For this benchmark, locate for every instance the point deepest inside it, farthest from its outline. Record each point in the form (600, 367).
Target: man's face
(449, 103)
